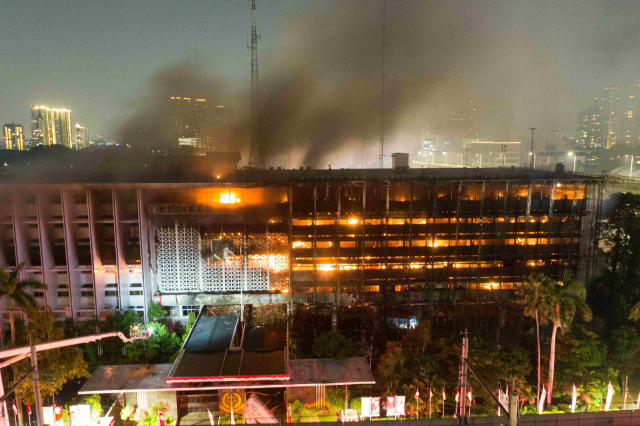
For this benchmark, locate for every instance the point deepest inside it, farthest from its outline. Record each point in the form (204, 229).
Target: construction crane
(18, 354)
(256, 155)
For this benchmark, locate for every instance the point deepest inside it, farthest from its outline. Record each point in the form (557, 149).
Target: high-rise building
(51, 126)
(13, 136)
(610, 101)
(81, 139)
(612, 120)
(590, 129)
(458, 128)
(189, 116)
(630, 121)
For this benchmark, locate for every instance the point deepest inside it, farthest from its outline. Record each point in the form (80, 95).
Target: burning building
(188, 237)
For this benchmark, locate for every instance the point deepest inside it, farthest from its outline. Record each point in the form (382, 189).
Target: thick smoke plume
(320, 90)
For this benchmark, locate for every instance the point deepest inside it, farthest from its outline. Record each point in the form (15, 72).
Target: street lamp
(631, 165)
(571, 154)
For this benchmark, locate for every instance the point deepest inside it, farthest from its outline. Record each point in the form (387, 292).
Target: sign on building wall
(228, 398)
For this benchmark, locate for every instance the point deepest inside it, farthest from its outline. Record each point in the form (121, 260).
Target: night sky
(527, 63)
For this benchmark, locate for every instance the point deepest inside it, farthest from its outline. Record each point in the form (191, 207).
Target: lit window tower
(13, 136)
(51, 126)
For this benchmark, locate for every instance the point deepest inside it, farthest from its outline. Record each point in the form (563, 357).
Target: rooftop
(218, 349)
(125, 165)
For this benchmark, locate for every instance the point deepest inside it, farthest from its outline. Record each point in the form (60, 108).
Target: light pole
(571, 154)
(533, 158)
(630, 165)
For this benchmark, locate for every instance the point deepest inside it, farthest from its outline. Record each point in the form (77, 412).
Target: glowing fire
(229, 198)
(276, 262)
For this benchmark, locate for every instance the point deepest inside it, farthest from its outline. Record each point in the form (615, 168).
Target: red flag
(417, 394)
(28, 409)
(457, 394)
(430, 394)
(161, 421)
(15, 408)
(469, 395)
(444, 395)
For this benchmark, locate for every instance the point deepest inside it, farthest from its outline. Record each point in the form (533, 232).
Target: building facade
(189, 116)
(612, 120)
(303, 236)
(13, 136)
(51, 126)
(81, 138)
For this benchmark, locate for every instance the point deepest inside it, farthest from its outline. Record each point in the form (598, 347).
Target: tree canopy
(57, 366)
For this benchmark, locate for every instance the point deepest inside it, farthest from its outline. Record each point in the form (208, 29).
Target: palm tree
(534, 295)
(566, 300)
(16, 291)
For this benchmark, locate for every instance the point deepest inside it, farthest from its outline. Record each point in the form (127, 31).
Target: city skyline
(547, 87)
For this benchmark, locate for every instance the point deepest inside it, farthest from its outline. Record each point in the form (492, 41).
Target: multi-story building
(456, 129)
(281, 236)
(51, 126)
(189, 117)
(612, 120)
(610, 105)
(81, 139)
(13, 136)
(630, 120)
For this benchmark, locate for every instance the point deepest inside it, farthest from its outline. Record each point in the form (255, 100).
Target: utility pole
(626, 390)
(463, 378)
(36, 386)
(533, 157)
(20, 353)
(256, 156)
(513, 408)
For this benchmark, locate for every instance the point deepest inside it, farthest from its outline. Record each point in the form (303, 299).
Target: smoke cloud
(321, 87)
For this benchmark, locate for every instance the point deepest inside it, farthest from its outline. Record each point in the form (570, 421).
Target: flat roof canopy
(153, 377)
(209, 354)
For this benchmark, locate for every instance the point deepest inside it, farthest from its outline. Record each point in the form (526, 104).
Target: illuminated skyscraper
(81, 139)
(189, 117)
(630, 120)
(51, 126)
(13, 136)
(611, 106)
(612, 120)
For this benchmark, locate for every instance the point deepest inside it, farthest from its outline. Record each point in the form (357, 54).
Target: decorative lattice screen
(185, 264)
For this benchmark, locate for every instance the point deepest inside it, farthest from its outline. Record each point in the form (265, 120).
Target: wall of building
(101, 248)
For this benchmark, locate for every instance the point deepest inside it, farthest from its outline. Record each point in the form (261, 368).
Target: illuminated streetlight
(631, 165)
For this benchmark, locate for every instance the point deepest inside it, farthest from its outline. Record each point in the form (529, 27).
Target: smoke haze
(526, 64)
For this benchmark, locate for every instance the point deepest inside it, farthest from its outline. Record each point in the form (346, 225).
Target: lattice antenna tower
(382, 66)
(256, 157)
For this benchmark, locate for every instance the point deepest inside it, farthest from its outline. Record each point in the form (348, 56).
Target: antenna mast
(384, 31)
(256, 158)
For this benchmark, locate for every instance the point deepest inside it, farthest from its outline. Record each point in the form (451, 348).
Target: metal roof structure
(210, 355)
(303, 372)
